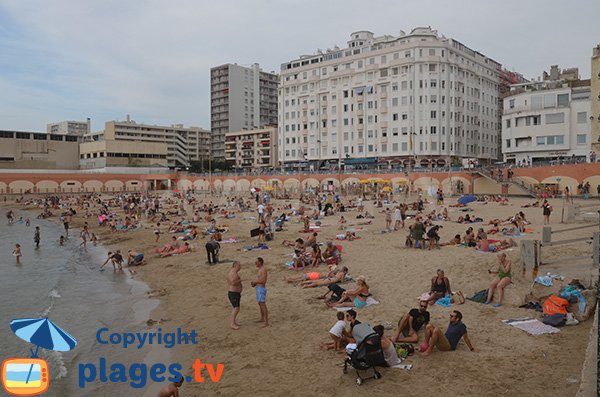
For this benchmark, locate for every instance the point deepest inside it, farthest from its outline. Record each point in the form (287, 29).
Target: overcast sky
(69, 60)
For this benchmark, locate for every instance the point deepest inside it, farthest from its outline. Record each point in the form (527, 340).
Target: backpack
(555, 320)
(479, 297)
(555, 305)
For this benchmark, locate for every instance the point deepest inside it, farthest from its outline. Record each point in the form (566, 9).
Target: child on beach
(171, 390)
(36, 237)
(17, 253)
(336, 334)
(61, 241)
(157, 232)
(94, 239)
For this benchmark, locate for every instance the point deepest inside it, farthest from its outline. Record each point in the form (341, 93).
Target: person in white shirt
(261, 212)
(336, 334)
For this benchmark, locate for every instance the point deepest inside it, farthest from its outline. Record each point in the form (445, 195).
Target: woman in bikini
(440, 287)
(356, 298)
(501, 281)
(333, 277)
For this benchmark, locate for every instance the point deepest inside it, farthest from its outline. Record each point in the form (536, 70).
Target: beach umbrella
(42, 333)
(466, 199)
(269, 188)
(364, 181)
(387, 189)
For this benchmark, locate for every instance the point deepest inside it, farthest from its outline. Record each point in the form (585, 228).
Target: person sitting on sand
(334, 276)
(449, 340)
(185, 248)
(454, 241)
(440, 287)
(503, 278)
(337, 334)
(311, 241)
(411, 323)
(356, 298)
(389, 351)
(469, 238)
(350, 318)
(331, 255)
(172, 390)
(306, 221)
(168, 247)
(483, 244)
(135, 258)
(316, 256)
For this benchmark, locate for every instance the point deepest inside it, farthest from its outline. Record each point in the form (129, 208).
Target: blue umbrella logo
(42, 333)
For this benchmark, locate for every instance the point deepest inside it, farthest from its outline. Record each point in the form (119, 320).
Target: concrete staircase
(516, 181)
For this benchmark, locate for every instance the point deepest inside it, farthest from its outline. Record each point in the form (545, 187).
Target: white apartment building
(252, 149)
(417, 98)
(183, 144)
(241, 98)
(69, 127)
(546, 121)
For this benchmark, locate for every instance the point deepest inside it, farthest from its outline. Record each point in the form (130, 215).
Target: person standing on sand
(171, 390)
(260, 284)
(546, 210)
(17, 253)
(234, 284)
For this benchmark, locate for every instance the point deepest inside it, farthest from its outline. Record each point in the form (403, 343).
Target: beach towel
(255, 247)
(370, 301)
(230, 240)
(403, 366)
(446, 301)
(532, 326)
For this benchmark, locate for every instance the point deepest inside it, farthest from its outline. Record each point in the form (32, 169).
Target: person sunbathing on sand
(333, 277)
(181, 250)
(168, 247)
(455, 241)
(356, 298)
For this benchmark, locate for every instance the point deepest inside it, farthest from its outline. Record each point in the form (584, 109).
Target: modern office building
(595, 86)
(147, 145)
(548, 120)
(252, 149)
(37, 150)
(70, 127)
(241, 98)
(416, 98)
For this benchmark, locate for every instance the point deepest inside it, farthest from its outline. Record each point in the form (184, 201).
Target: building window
(511, 104)
(581, 117)
(507, 123)
(508, 143)
(555, 118)
(581, 139)
(563, 100)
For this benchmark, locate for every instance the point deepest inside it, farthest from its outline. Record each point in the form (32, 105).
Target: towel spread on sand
(370, 301)
(254, 247)
(230, 240)
(532, 326)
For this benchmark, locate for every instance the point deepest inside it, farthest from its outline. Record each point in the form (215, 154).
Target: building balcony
(383, 109)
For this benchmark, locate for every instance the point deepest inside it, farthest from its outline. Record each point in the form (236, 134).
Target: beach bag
(458, 298)
(555, 305)
(479, 297)
(556, 320)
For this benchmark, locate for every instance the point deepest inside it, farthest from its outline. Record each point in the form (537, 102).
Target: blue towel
(546, 281)
(572, 291)
(446, 301)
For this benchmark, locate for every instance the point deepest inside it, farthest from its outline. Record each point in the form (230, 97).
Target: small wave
(57, 359)
(54, 294)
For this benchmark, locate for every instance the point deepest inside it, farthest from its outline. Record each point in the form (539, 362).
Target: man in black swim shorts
(234, 283)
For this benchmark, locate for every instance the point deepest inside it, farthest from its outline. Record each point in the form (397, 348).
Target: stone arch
(292, 184)
(3, 188)
(184, 184)
(449, 185)
(134, 185)
(399, 181)
(564, 181)
(427, 184)
(594, 182)
(70, 186)
(350, 180)
(310, 183)
(218, 185)
(325, 182)
(229, 185)
(275, 182)
(47, 186)
(113, 185)
(92, 186)
(259, 183)
(242, 185)
(20, 186)
(201, 184)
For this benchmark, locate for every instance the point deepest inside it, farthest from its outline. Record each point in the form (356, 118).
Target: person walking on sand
(546, 210)
(17, 253)
(171, 390)
(260, 284)
(234, 284)
(36, 237)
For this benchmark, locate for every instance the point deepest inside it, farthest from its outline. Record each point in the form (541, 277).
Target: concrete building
(36, 150)
(417, 98)
(70, 127)
(147, 144)
(548, 120)
(595, 86)
(241, 98)
(252, 149)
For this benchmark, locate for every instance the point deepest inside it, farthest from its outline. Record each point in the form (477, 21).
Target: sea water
(64, 283)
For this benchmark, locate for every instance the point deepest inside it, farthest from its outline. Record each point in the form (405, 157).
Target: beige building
(595, 83)
(417, 97)
(70, 127)
(183, 144)
(36, 150)
(252, 149)
(115, 153)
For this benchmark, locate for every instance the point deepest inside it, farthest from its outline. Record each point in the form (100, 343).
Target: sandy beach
(285, 358)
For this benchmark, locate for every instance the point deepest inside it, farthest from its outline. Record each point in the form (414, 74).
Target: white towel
(370, 301)
(532, 326)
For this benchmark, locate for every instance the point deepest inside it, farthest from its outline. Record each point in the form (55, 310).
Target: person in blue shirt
(456, 331)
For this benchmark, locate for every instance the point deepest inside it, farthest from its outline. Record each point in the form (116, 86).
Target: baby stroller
(368, 353)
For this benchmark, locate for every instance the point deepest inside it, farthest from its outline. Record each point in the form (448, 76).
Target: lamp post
(562, 212)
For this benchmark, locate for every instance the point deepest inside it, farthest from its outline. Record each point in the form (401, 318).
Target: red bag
(555, 305)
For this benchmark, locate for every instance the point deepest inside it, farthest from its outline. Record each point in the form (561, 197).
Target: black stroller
(368, 353)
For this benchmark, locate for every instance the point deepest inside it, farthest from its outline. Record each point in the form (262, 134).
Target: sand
(285, 359)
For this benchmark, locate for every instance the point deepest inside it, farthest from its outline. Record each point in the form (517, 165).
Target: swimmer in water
(61, 241)
(17, 253)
